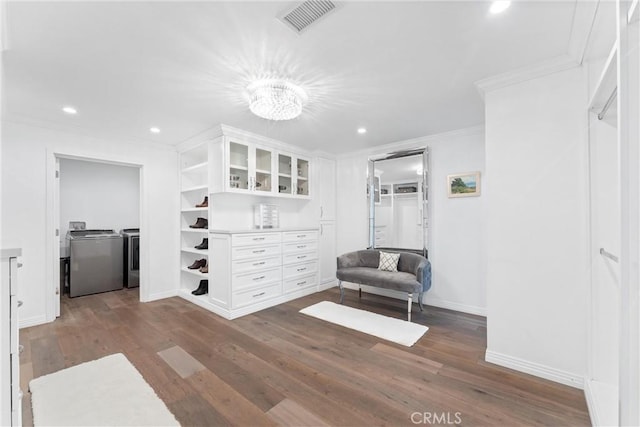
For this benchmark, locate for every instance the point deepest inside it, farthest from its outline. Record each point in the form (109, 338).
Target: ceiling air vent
(306, 14)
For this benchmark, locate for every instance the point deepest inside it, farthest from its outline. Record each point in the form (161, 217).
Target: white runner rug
(104, 392)
(388, 328)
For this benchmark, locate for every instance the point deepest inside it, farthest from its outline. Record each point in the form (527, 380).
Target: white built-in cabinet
(252, 269)
(326, 194)
(11, 395)
(248, 165)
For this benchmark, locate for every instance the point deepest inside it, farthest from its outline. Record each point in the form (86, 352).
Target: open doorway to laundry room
(97, 217)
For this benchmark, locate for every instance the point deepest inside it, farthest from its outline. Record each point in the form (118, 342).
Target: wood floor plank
(181, 361)
(279, 367)
(290, 413)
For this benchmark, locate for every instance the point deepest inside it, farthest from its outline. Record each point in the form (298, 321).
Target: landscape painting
(464, 184)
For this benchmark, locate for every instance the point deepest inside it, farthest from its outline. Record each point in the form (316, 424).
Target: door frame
(52, 298)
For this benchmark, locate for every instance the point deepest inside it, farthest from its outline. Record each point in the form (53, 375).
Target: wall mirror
(397, 189)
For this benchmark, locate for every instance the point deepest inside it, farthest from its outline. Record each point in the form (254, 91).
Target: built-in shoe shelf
(194, 184)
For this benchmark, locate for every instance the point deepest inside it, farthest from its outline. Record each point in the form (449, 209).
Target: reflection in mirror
(397, 210)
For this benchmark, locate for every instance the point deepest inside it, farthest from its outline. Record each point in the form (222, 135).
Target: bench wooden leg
(341, 291)
(409, 301)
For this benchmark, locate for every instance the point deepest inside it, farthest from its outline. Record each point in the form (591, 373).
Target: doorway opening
(97, 219)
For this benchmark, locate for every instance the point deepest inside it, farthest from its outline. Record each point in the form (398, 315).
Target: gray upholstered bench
(361, 267)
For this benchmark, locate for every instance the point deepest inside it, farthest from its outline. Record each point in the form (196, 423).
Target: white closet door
(605, 286)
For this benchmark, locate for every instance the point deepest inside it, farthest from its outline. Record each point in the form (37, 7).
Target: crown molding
(81, 131)
(554, 65)
(419, 142)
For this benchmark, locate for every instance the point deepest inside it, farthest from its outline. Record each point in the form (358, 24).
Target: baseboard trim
(557, 375)
(327, 285)
(602, 413)
(32, 321)
(162, 295)
(449, 305)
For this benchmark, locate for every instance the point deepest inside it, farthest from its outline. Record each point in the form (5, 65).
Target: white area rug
(104, 392)
(387, 328)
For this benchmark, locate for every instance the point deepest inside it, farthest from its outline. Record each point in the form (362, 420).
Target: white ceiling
(400, 69)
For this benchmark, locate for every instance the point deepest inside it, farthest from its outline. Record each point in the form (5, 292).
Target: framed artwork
(464, 184)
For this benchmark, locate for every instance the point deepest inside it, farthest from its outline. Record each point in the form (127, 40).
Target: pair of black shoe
(203, 288)
(203, 245)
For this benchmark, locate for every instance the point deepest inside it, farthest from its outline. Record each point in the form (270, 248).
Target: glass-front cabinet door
(238, 178)
(302, 177)
(285, 178)
(263, 178)
(250, 168)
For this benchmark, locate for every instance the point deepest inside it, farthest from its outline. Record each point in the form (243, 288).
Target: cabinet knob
(19, 303)
(19, 265)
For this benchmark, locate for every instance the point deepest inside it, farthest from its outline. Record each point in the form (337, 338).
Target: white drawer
(299, 257)
(241, 281)
(255, 264)
(298, 236)
(254, 239)
(296, 284)
(253, 296)
(299, 247)
(306, 268)
(244, 252)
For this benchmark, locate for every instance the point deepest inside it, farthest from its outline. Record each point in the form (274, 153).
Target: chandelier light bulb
(276, 99)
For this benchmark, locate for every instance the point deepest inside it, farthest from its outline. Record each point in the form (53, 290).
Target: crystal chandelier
(276, 99)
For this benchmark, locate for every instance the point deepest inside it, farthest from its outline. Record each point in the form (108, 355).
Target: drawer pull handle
(259, 263)
(300, 236)
(258, 295)
(302, 269)
(259, 252)
(20, 303)
(258, 238)
(301, 246)
(258, 278)
(19, 265)
(302, 257)
(301, 283)
(20, 348)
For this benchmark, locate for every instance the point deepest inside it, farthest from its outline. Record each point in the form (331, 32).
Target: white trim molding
(536, 369)
(161, 295)
(554, 65)
(434, 302)
(27, 322)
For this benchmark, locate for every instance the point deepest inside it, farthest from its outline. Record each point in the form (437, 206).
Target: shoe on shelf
(197, 264)
(203, 288)
(204, 269)
(204, 204)
(203, 245)
(200, 223)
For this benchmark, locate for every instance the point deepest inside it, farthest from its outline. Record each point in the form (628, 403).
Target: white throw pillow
(388, 261)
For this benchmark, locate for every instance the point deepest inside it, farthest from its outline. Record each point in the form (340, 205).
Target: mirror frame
(425, 194)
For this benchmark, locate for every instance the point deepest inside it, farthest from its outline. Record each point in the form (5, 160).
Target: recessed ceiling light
(154, 130)
(69, 110)
(499, 6)
(362, 130)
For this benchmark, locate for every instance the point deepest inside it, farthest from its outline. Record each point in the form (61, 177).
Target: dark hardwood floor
(279, 367)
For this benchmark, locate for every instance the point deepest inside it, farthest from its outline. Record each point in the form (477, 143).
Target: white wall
(28, 159)
(101, 194)
(537, 212)
(457, 238)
